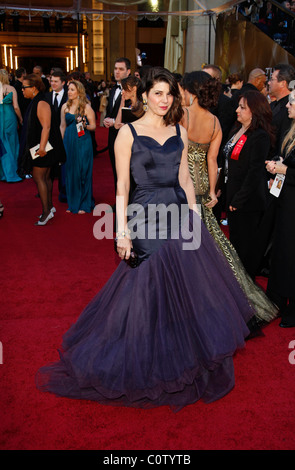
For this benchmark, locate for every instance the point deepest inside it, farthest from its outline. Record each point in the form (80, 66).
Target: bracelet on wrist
(122, 234)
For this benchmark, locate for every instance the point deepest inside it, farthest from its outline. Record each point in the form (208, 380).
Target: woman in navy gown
(164, 332)
(79, 149)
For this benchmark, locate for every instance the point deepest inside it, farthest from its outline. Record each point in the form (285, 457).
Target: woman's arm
(184, 176)
(212, 164)
(15, 105)
(118, 122)
(63, 120)
(90, 114)
(44, 116)
(123, 145)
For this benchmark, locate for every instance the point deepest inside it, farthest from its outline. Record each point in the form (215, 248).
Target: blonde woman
(9, 113)
(282, 273)
(77, 120)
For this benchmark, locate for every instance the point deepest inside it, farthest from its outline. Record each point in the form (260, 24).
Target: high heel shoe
(53, 210)
(44, 222)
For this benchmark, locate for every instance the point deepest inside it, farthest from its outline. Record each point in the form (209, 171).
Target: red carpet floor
(48, 275)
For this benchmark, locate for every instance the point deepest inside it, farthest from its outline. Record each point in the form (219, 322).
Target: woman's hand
(232, 209)
(124, 246)
(41, 153)
(275, 167)
(213, 201)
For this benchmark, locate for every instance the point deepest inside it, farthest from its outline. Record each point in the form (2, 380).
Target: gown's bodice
(197, 164)
(70, 118)
(154, 168)
(8, 119)
(154, 165)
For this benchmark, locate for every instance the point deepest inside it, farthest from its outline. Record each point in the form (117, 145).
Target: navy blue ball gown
(78, 167)
(165, 332)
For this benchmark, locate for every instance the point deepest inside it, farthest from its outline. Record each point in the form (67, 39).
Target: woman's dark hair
(261, 112)
(36, 81)
(159, 74)
(130, 82)
(206, 88)
(234, 78)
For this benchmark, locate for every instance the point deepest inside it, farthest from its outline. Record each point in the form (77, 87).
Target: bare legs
(43, 181)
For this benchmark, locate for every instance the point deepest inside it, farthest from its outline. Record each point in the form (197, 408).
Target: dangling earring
(145, 107)
(191, 100)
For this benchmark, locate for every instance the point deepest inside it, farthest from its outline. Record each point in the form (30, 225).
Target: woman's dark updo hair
(130, 82)
(159, 74)
(206, 88)
(36, 81)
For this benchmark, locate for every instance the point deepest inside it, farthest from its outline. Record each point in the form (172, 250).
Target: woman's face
(72, 92)
(244, 115)
(28, 90)
(159, 99)
(291, 105)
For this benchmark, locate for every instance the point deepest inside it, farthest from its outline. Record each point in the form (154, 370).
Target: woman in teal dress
(77, 120)
(9, 112)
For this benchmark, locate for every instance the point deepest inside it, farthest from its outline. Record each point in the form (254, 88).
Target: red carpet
(48, 275)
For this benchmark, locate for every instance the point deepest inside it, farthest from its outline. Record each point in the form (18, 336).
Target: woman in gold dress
(204, 134)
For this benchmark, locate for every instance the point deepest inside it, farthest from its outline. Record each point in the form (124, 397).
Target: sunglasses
(27, 86)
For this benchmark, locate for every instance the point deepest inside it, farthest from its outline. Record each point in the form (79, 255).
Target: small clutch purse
(133, 260)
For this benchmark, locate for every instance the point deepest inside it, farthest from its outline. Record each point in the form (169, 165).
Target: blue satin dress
(78, 167)
(165, 332)
(9, 141)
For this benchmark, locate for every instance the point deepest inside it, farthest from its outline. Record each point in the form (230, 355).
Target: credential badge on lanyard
(238, 147)
(79, 126)
(277, 185)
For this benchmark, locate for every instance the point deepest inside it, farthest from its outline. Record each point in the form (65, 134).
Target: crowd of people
(171, 140)
(276, 20)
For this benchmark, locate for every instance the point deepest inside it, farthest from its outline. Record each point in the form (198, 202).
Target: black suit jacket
(49, 99)
(247, 178)
(111, 112)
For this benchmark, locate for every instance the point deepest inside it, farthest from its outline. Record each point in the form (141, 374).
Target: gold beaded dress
(197, 162)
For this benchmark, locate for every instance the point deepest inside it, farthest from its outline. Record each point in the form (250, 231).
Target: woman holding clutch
(39, 132)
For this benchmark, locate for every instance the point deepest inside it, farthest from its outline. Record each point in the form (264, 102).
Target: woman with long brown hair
(77, 120)
(246, 152)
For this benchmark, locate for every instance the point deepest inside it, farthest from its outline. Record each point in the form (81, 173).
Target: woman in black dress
(39, 131)
(282, 270)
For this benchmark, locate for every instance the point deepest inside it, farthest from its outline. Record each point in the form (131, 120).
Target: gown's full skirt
(163, 333)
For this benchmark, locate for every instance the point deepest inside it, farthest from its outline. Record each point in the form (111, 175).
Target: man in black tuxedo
(122, 70)
(279, 82)
(56, 98)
